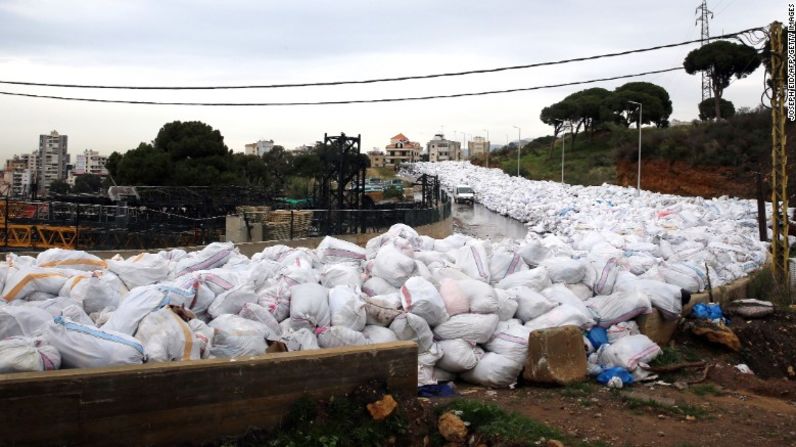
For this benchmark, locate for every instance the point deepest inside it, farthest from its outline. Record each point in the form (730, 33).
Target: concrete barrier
(189, 402)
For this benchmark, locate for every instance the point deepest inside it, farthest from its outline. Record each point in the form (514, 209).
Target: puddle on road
(477, 221)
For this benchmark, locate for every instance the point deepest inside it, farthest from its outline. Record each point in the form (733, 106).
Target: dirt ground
(728, 408)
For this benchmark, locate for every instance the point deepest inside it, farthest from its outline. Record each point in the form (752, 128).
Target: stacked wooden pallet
(278, 223)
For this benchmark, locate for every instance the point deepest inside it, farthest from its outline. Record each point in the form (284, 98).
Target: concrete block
(556, 356)
(657, 328)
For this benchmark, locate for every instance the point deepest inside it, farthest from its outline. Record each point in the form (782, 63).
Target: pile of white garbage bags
(469, 304)
(661, 236)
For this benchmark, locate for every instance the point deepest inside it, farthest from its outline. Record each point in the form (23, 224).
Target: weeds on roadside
(674, 410)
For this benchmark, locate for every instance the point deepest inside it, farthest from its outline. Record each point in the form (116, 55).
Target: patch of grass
(675, 410)
(340, 422)
(580, 389)
(668, 356)
(500, 427)
(763, 286)
(705, 389)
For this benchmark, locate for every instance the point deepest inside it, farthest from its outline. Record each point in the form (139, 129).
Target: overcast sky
(197, 42)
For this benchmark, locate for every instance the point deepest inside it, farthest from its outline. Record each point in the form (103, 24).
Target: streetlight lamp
(488, 147)
(638, 175)
(519, 144)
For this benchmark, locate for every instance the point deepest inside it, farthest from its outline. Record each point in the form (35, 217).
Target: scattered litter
(743, 368)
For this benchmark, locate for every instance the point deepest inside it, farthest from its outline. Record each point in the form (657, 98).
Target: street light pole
(488, 148)
(638, 175)
(563, 150)
(519, 145)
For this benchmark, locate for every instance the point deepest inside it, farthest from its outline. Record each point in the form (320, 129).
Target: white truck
(463, 194)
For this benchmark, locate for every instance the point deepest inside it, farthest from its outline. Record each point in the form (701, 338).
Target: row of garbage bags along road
(469, 304)
(650, 234)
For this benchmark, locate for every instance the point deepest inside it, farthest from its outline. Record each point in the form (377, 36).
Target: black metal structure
(341, 183)
(430, 190)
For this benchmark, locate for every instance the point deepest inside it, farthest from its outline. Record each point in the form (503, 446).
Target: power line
(377, 80)
(354, 101)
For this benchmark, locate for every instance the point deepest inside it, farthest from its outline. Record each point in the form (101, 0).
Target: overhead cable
(352, 101)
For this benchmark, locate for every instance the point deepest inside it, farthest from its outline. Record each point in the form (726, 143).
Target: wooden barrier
(188, 402)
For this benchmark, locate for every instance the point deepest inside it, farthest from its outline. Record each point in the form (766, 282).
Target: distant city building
(401, 150)
(376, 157)
(32, 174)
(89, 162)
(52, 159)
(440, 149)
(478, 146)
(17, 176)
(259, 148)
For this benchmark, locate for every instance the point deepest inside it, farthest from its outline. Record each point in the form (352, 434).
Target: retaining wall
(189, 402)
(437, 230)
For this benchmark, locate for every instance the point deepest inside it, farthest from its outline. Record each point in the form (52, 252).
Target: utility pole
(703, 16)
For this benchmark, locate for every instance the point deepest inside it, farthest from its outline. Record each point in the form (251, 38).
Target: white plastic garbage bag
(494, 371)
(561, 316)
(533, 252)
(619, 306)
(300, 340)
(458, 355)
(456, 301)
(536, 278)
(341, 275)
(393, 266)
(480, 295)
(309, 306)
(204, 335)
(565, 270)
(167, 337)
(82, 346)
(232, 301)
(377, 286)
(421, 298)
(27, 321)
(255, 312)
(381, 310)
(332, 250)
(606, 276)
(530, 303)
(684, 275)
(21, 283)
(226, 345)
(473, 261)
(379, 334)
(214, 255)
(69, 259)
(503, 263)
(347, 308)
(27, 354)
(425, 365)
(628, 352)
(140, 270)
(97, 291)
(76, 313)
(622, 329)
(137, 305)
(510, 340)
(412, 327)
(276, 299)
(477, 328)
(507, 305)
(336, 336)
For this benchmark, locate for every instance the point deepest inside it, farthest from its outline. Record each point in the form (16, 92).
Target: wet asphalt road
(476, 220)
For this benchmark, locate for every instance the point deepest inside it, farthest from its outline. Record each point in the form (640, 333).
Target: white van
(463, 194)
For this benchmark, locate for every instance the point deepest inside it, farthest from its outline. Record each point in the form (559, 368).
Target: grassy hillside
(707, 159)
